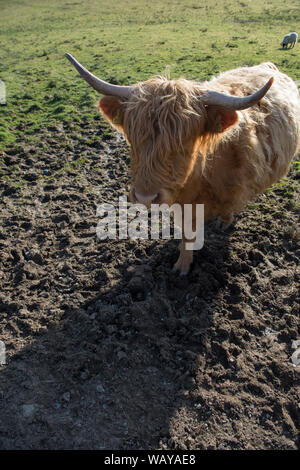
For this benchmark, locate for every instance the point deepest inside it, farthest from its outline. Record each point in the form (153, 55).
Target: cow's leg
(195, 241)
(185, 259)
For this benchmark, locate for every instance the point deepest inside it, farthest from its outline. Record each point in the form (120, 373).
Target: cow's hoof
(182, 265)
(182, 272)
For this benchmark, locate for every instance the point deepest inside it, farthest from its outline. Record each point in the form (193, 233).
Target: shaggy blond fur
(171, 118)
(191, 153)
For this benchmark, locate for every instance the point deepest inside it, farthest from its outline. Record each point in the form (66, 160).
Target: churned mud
(106, 348)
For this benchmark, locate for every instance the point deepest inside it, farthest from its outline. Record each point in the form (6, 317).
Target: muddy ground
(107, 348)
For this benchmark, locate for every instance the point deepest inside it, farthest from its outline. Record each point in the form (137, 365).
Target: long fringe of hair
(161, 117)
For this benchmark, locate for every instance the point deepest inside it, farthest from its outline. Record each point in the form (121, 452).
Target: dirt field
(108, 349)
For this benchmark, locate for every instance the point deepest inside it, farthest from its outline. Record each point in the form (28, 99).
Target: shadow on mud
(114, 373)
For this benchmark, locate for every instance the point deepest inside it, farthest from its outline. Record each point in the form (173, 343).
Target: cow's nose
(145, 199)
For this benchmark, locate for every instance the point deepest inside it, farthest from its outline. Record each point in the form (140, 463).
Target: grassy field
(125, 41)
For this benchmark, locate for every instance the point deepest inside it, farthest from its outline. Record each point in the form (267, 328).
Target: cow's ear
(220, 120)
(113, 109)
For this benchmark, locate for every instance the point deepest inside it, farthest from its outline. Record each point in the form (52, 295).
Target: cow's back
(258, 151)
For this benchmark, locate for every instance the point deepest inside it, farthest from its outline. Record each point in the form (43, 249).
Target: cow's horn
(99, 85)
(234, 102)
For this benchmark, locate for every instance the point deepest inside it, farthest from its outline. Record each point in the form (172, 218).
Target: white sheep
(291, 39)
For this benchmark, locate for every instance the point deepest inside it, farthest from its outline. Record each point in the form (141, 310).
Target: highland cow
(219, 143)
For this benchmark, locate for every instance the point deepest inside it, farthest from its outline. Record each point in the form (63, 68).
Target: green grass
(125, 41)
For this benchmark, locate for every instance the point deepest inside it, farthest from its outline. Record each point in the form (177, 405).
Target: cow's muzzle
(145, 199)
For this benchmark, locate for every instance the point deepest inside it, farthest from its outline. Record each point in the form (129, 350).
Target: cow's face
(166, 125)
(158, 173)
(162, 123)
